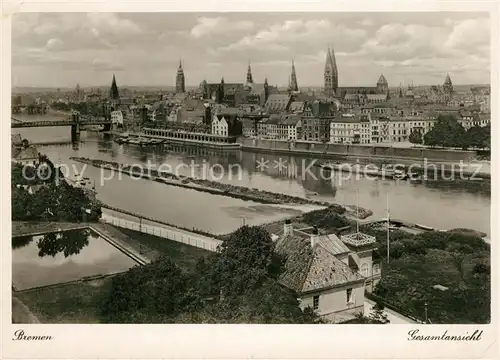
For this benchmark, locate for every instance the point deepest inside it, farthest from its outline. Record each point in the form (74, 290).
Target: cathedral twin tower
(331, 75)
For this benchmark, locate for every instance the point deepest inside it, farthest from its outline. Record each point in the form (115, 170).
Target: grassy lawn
(77, 303)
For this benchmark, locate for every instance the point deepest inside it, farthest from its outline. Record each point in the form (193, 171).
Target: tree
(416, 137)
(477, 137)
(447, 132)
(26, 143)
(377, 315)
(148, 293)
(244, 261)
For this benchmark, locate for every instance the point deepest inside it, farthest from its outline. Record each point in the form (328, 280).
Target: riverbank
(344, 151)
(441, 167)
(212, 187)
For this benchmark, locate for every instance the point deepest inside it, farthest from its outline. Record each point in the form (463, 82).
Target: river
(440, 204)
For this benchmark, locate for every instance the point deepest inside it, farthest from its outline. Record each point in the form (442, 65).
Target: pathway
(392, 316)
(164, 231)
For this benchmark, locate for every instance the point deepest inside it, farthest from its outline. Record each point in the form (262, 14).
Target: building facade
(350, 129)
(316, 128)
(219, 125)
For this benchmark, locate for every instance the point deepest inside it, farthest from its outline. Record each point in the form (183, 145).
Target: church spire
(331, 74)
(180, 80)
(113, 92)
(293, 79)
(448, 85)
(249, 80)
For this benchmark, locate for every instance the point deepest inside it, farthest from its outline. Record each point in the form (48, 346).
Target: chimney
(314, 234)
(288, 227)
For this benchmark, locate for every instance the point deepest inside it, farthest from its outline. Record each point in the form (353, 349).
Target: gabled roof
(313, 268)
(292, 119)
(26, 154)
(297, 106)
(248, 123)
(228, 111)
(274, 119)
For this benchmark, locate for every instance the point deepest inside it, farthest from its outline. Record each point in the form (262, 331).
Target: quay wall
(348, 151)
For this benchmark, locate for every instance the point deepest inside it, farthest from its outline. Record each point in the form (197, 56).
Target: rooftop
(309, 268)
(29, 153)
(358, 239)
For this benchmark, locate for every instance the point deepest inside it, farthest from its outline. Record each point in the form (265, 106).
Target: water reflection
(21, 241)
(68, 243)
(465, 203)
(58, 258)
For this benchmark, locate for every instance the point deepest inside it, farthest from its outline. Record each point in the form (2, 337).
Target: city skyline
(144, 49)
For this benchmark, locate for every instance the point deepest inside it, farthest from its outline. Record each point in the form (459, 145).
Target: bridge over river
(75, 122)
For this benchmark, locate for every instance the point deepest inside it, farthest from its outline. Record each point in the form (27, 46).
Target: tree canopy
(415, 137)
(238, 284)
(456, 260)
(447, 132)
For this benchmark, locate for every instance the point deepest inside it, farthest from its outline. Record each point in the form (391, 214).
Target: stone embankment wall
(354, 151)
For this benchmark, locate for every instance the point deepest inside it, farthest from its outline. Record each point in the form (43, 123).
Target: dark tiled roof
(327, 271)
(27, 153)
(228, 111)
(290, 119)
(312, 268)
(296, 105)
(274, 119)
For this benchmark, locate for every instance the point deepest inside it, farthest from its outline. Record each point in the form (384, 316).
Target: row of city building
(369, 126)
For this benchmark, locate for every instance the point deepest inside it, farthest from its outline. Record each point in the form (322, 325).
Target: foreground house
(323, 270)
(25, 156)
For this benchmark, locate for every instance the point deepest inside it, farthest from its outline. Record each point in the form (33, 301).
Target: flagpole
(388, 224)
(357, 211)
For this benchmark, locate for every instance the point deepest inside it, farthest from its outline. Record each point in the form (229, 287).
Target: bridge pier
(75, 133)
(75, 128)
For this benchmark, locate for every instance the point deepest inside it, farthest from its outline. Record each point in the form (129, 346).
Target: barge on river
(386, 171)
(170, 136)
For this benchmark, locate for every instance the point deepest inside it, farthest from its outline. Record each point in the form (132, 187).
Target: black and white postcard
(232, 180)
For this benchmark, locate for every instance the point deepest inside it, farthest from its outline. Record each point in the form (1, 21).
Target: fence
(392, 307)
(181, 236)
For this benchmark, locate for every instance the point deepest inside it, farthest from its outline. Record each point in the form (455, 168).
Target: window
(315, 302)
(349, 296)
(364, 270)
(376, 268)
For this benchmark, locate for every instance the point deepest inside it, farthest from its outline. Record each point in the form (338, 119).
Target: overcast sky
(63, 49)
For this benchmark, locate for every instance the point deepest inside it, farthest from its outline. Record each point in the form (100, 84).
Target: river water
(440, 204)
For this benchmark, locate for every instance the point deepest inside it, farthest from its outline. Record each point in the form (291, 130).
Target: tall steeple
(220, 92)
(113, 92)
(180, 81)
(266, 90)
(448, 85)
(249, 81)
(293, 79)
(331, 76)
